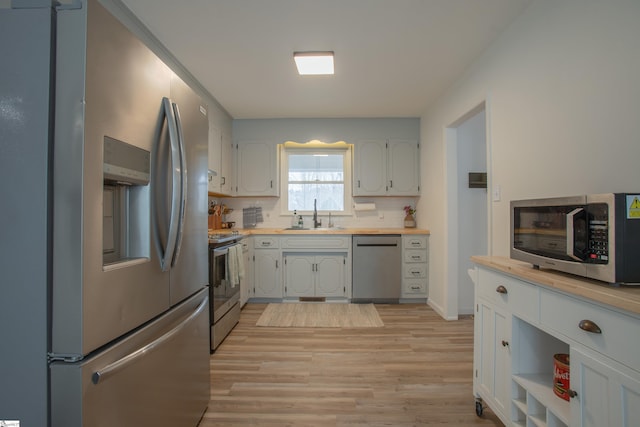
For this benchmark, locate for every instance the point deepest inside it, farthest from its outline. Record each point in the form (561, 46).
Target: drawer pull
(501, 290)
(589, 326)
(505, 343)
(572, 393)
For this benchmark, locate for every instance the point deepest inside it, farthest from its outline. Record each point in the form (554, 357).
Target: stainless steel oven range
(224, 291)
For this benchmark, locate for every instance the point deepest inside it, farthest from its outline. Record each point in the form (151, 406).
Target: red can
(561, 375)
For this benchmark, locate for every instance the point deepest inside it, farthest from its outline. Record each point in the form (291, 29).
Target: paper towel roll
(364, 206)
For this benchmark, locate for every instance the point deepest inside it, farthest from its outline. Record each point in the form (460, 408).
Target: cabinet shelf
(540, 387)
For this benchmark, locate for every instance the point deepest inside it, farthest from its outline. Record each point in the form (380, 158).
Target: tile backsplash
(388, 212)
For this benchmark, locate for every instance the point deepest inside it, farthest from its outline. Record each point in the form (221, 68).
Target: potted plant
(409, 219)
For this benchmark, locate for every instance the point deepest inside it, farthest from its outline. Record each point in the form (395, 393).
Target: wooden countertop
(332, 231)
(624, 297)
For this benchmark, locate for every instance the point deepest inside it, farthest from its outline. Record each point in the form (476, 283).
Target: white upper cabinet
(386, 167)
(403, 167)
(226, 165)
(370, 168)
(256, 168)
(215, 143)
(220, 161)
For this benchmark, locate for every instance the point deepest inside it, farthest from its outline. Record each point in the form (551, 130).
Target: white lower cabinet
(246, 283)
(492, 357)
(321, 275)
(607, 394)
(267, 276)
(519, 326)
(414, 266)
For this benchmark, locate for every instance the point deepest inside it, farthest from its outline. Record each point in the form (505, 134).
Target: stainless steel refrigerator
(103, 160)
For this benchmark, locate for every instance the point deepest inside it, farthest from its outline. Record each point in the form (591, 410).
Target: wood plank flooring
(415, 370)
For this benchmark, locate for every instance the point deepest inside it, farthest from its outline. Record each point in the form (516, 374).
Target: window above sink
(316, 171)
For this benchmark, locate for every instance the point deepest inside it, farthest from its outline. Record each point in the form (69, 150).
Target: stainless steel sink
(296, 228)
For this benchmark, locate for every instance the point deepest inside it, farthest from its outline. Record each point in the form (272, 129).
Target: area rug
(320, 315)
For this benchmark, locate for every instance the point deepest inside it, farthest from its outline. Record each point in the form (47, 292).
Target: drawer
(266, 242)
(414, 287)
(522, 299)
(619, 332)
(415, 271)
(414, 255)
(414, 242)
(315, 242)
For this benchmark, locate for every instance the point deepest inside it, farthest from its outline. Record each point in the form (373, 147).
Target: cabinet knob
(501, 290)
(505, 343)
(589, 326)
(572, 393)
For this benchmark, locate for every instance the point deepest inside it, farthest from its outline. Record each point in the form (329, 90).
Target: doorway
(467, 207)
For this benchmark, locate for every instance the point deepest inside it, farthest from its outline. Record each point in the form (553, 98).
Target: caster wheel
(479, 408)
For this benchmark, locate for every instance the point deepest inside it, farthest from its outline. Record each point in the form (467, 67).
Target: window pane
(309, 167)
(330, 197)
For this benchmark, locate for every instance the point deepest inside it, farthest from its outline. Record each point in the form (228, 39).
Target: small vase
(409, 221)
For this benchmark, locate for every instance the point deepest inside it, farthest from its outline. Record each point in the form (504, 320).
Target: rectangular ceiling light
(314, 63)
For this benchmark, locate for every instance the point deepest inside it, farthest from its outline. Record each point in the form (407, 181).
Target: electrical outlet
(380, 216)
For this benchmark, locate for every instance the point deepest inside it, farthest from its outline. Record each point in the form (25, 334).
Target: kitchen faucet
(316, 223)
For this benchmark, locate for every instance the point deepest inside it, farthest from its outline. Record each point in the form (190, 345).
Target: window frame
(345, 149)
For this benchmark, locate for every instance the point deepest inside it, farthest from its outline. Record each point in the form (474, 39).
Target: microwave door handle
(570, 235)
(175, 179)
(183, 184)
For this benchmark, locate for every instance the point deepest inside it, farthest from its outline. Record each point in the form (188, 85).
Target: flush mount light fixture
(314, 63)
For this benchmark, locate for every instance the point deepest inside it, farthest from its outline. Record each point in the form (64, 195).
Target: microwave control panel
(598, 233)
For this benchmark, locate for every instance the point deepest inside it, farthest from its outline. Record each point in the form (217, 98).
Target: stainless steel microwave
(595, 236)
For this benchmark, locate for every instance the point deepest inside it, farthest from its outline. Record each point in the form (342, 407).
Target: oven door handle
(220, 251)
(570, 233)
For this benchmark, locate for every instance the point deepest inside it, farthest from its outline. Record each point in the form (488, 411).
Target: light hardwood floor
(414, 371)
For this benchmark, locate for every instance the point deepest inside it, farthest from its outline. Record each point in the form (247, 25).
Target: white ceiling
(393, 57)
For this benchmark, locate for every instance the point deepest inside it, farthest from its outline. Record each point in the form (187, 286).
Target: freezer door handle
(167, 256)
(113, 368)
(183, 184)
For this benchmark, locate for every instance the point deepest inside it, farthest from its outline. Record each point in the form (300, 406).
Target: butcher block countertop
(336, 230)
(624, 297)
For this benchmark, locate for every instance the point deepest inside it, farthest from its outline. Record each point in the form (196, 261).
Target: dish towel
(235, 265)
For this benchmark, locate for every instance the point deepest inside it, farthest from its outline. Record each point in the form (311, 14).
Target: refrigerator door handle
(175, 190)
(118, 365)
(183, 184)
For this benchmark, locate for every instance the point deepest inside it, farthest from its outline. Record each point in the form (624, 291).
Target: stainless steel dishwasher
(377, 264)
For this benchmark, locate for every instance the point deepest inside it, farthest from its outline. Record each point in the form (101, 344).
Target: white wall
(472, 204)
(562, 92)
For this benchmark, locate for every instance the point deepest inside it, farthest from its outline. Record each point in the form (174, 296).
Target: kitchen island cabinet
(535, 314)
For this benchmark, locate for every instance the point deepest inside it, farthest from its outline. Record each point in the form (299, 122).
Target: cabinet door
(246, 283)
(266, 274)
(256, 169)
(226, 165)
(330, 280)
(215, 150)
(606, 396)
(493, 367)
(403, 168)
(370, 168)
(299, 275)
